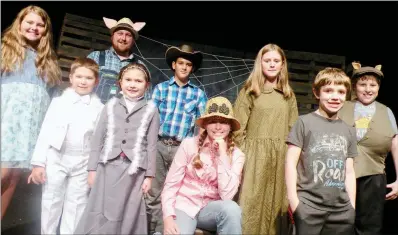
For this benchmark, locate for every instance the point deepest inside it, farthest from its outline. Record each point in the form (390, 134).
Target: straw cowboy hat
(186, 52)
(124, 23)
(359, 70)
(220, 107)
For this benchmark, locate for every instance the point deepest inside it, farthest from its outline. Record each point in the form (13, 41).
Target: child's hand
(221, 146)
(294, 204)
(38, 175)
(147, 184)
(170, 226)
(394, 191)
(91, 178)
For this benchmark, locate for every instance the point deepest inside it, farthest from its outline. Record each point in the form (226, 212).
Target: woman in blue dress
(29, 78)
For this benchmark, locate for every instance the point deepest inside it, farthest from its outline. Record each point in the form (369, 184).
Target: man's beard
(122, 51)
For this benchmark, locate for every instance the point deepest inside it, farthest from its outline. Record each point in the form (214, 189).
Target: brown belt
(169, 141)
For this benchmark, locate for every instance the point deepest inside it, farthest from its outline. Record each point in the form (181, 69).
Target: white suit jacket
(55, 125)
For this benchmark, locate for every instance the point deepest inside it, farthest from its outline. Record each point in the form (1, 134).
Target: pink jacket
(189, 189)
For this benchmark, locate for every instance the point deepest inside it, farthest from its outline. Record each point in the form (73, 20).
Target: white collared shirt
(80, 123)
(130, 103)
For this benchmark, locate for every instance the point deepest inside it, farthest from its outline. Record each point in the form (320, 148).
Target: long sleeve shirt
(189, 189)
(67, 127)
(179, 107)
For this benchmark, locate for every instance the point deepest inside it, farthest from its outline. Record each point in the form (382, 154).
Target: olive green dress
(266, 122)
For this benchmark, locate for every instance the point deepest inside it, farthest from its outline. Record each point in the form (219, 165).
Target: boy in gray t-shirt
(320, 176)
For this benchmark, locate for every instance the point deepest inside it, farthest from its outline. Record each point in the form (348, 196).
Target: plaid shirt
(112, 61)
(179, 107)
(109, 72)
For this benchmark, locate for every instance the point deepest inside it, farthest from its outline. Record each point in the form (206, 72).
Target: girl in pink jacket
(205, 176)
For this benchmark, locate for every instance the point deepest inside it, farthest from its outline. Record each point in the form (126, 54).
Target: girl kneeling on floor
(205, 176)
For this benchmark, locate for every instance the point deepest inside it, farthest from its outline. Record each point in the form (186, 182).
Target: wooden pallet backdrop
(81, 35)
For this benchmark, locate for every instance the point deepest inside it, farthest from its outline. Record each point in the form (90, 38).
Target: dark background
(360, 31)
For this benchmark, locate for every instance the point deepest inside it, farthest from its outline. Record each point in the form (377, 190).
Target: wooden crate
(81, 35)
(78, 37)
(303, 67)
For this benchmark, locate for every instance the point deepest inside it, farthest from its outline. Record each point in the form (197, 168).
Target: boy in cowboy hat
(124, 33)
(180, 103)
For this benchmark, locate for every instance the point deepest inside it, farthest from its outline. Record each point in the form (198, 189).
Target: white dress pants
(64, 193)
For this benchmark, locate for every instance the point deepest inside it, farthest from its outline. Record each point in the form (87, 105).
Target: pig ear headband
(111, 23)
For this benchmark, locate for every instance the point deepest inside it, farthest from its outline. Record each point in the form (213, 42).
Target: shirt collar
(74, 97)
(130, 100)
(172, 81)
(270, 90)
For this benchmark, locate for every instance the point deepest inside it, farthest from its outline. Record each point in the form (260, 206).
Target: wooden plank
(88, 27)
(292, 65)
(318, 68)
(63, 63)
(72, 52)
(301, 87)
(83, 43)
(321, 66)
(306, 99)
(84, 33)
(335, 59)
(299, 76)
(308, 67)
(85, 19)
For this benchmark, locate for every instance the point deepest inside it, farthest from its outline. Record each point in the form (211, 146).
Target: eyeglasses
(216, 108)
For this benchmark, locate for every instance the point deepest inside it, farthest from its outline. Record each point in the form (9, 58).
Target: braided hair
(197, 163)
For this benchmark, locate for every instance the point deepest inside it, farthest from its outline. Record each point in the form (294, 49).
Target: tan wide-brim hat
(124, 23)
(220, 107)
(359, 70)
(186, 52)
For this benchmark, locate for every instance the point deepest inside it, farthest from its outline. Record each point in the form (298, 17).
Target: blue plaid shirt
(112, 61)
(179, 107)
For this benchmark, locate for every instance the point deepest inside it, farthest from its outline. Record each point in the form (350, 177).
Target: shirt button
(126, 130)
(123, 141)
(127, 120)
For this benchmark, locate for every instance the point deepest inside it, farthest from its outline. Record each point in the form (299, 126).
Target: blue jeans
(221, 216)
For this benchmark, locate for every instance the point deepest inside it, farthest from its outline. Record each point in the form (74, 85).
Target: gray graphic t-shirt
(325, 144)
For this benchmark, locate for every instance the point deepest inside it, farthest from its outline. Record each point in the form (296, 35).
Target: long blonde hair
(256, 80)
(197, 163)
(13, 48)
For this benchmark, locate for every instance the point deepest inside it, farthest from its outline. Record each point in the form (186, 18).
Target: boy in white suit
(61, 154)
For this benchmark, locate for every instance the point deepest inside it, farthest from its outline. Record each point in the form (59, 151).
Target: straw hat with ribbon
(219, 107)
(124, 23)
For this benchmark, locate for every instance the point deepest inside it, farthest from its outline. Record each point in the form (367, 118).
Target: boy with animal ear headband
(376, 132)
